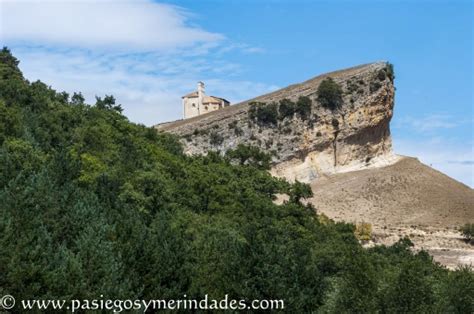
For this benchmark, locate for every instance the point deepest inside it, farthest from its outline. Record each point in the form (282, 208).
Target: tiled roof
(191, 95)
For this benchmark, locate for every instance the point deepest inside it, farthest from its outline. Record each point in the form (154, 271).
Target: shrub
(253, 111)
(238, 131)
(352, 86)
(375, 86)
(330, 94)
(390, 71)
(298, 191)
(250, 155)
(286, 109)
(232, 125)
(381, 75)
(303, 107)
(335, 123)
(363, 231)
(264, 114)
(468, 232)
(215, 139)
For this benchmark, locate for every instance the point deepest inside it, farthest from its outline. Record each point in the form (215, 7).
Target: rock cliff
(354, 136)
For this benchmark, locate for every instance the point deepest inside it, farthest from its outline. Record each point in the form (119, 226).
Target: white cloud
(149, 86)
(144, 53)
(138, 25)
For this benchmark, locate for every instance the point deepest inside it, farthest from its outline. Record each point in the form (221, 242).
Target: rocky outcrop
(355, 136)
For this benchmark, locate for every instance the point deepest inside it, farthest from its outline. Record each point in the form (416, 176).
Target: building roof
(191, 95)
(212, 99)
(206, 99)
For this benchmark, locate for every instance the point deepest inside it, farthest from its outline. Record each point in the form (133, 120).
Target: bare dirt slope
(406, 198)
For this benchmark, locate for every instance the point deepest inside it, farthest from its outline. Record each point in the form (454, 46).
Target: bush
(363, 231)
(215, 139)
(238, 131)
(286, 109)
(330, 94)
(264, 114)
(352, 86)
(374, 86)
(381, 75)
(390, 71)
(468, 232)
(298, 191)
(250, 155)
(303, 107)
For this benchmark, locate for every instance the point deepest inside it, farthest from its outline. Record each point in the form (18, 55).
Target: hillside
(345, 153)
(389, 195)
(95, 208)
(306, 138)
(407, 198)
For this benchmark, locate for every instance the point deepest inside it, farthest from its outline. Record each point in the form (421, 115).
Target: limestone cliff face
(354, 137)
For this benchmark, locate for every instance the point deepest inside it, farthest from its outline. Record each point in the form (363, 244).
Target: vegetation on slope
(91, 204)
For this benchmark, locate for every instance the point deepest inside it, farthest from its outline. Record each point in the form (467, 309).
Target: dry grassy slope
(407, 198)
(407, 193)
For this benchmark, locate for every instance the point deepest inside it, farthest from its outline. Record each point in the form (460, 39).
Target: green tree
(303, 107)
(286, 109)
(330, 94)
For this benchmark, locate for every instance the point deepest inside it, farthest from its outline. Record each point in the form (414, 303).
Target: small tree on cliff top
(330, 94)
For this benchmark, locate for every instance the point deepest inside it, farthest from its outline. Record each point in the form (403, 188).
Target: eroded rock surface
(355, 136)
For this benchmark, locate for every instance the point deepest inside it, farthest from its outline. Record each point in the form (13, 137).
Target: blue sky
(149, 53)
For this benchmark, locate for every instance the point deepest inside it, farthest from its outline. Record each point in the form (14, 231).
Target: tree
(330, 94)
(250, 155)
(78, 99)
(264, 114)
(108, 103)
(303, 107)
(286, 109)
(299, 190)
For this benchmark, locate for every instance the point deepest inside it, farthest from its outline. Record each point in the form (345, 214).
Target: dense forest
(92, 204)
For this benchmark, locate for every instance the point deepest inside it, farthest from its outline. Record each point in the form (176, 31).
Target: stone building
(198, 103)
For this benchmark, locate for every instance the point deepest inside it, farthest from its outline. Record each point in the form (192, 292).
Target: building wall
(209, 107)
(191, 107)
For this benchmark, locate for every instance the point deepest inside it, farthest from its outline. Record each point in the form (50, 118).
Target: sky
(149, 53)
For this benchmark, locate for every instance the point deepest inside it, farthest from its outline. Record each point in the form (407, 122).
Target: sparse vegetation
(390, 71)
(286, 109)
(468, 232)
(330, 94)
(374, 86)
(381, 75)
(215, 138)
(351, 86)
(238, 131)
(264, 114)
(233, 124)
(363, 231)
(303, 107)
